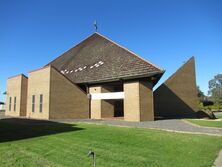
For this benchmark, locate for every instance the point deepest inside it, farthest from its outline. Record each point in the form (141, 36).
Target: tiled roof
(98, 59)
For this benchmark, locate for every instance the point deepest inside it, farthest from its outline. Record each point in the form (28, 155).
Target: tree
(215, 89)
(200, 94)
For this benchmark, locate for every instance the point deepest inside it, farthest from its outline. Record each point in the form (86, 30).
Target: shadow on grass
(12, 129)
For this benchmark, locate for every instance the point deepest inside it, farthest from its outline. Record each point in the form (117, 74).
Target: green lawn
(59, 145)
(207, 123)
(218, 115)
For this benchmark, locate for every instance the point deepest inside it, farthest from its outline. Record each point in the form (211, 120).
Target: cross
(95, 25)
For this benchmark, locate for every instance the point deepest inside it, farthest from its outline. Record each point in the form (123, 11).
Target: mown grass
(218, 115)
(60, 145)
(207, 123)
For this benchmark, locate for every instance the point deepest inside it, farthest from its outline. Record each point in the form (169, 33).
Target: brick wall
(138, 101)
(61, 98)
(39, 83)
(177, 96)
(16, 87)
(66, 99)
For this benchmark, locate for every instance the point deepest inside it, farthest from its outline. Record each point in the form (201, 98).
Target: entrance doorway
(111, 98)
(118, 108)
(112, 109)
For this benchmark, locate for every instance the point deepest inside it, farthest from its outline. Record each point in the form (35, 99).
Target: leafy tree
(200, 94)
(215, 89)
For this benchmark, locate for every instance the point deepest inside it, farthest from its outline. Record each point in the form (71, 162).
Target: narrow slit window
(33, 103)
(10, 104)
(40, 102)
(14, 103)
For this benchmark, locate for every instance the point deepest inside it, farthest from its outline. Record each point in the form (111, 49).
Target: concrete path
(174, 125)
(218, 161)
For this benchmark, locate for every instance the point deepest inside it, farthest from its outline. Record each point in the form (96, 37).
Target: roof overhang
(156, 77)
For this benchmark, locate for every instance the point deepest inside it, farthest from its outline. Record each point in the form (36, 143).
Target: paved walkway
(218, 161)
(174, 125)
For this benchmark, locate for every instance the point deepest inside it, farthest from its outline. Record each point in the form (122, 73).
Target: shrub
(212, 107)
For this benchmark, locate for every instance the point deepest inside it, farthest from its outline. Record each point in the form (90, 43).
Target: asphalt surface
(175, 125)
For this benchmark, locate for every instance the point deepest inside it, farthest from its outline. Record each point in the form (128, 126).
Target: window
(40, 102)
(33, 103)
(10, 103)
(14, 103)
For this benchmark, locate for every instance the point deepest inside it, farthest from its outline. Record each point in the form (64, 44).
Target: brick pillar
(101, 108)
(138, 101)
(96, 108)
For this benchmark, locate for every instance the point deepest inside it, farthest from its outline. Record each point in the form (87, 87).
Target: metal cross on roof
(95, 25)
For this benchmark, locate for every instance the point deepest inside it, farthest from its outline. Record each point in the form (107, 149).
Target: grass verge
(207, 123)
(218, 115)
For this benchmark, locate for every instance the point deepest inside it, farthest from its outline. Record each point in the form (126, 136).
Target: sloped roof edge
(75, 45)
(132, 53)
(125, 78)
(179, 69)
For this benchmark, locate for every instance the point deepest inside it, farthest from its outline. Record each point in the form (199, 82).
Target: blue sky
(165, 32)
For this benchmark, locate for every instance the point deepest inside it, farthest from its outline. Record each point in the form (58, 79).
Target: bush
(212, 107)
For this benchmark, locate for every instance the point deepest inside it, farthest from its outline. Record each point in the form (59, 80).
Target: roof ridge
(136, 55)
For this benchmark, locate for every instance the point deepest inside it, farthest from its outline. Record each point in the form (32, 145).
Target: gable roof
(98, 59)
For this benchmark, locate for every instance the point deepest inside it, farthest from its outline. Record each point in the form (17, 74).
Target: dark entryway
(118, 108)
